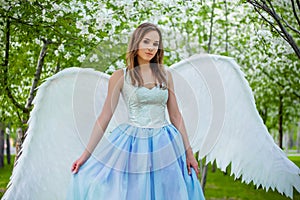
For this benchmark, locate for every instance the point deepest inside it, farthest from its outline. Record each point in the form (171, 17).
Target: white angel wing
(223, 124)
(65, 110)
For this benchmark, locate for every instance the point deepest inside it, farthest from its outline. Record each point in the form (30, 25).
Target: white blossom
(67, 56)
(55, 7)
(110, 69)
(89, 5)
(38, 41)
(94, 58)
(79, 24)
(120, 64)
(84, 30)
(81, 58)
(56, 52)
(61, 48)
(91, 36)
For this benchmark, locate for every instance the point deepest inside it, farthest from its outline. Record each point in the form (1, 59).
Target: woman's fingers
(196, 169)
(75, 167)
(189, 168)
(194, 166)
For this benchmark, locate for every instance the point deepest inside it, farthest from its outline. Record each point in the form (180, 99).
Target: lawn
(219, 186)
(5, 174)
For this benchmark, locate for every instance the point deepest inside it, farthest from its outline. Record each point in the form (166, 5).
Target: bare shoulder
(169, 75)
(118, 74)
(116, 79)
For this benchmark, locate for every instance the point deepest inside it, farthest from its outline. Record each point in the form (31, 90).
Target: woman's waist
(148, 122)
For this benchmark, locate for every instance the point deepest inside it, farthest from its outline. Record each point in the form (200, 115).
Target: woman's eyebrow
(149, 39)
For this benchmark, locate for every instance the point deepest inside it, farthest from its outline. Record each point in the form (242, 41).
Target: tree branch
(270, 23)
(283, 32)
(271, 77)
(298, 4)
(211, 27)
(294, 11)
(38, 72)
(5, 68)
(287, 35)
(226, 29)
(292, 28)
(57, 68)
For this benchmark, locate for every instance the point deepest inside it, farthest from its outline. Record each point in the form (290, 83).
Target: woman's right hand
(77, 164)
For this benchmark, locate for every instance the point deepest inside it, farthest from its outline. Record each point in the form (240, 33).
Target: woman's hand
(111, 101)
(77, 164)
(191, 161)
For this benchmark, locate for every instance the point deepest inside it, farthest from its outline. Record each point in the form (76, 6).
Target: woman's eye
(146, 41)
(155, 44)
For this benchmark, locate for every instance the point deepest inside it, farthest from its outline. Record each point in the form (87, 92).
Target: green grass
(5, 173)
(218, 187)
(295, 159)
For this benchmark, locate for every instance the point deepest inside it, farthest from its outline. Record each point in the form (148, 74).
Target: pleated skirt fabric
(137, 163)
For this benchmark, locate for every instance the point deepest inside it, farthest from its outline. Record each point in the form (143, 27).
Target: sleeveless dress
(142, 159)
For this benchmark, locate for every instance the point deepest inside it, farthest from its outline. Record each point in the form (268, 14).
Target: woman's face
(148, 47)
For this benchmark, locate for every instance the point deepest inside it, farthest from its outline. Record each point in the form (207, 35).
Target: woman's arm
(114, 87)
(177, 121)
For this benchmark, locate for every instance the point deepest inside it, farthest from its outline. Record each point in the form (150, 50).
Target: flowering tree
(283, 17)
(279, 39)
(40, 38)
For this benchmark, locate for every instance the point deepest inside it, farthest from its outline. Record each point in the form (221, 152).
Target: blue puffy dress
(143, 159)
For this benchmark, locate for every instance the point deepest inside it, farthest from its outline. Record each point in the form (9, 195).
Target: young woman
(147, 157)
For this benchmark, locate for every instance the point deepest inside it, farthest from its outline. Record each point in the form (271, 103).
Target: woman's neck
(143, 63)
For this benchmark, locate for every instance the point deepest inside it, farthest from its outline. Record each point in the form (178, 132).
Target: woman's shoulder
(118, 73)
(117, 76)
(168, 73)
(116, 79)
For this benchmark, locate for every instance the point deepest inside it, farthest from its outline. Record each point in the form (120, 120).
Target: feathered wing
(223, 123)
(217, 105)
(65, 109)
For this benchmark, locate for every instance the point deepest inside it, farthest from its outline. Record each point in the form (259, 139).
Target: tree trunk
(5, 68)
(298, 138)
(20, 138)
(8, 148)
(213, 167)
(211, 27)
(203, 179)
(280, 121)
(204, 174)
(37, 73)
(36, 78)
(226, 27)
(264, 114)
(290, 142)
(1, 145)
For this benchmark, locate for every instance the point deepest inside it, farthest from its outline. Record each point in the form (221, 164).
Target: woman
(146, 158)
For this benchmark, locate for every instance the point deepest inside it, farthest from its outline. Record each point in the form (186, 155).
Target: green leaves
(95, 34)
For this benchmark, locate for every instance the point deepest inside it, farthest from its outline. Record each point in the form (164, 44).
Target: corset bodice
(146, 107)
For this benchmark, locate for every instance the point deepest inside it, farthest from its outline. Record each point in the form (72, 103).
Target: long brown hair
(155, 63)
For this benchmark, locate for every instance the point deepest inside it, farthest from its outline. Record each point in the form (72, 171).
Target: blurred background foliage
(41, 38)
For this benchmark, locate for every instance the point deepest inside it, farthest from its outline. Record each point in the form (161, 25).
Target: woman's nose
(150, 48)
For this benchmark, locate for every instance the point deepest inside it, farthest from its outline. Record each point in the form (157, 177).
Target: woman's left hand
(191, 161)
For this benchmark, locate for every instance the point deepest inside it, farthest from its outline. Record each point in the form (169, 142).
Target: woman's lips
(149, 54)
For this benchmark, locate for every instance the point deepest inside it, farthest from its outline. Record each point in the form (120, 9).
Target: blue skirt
(137, 163)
